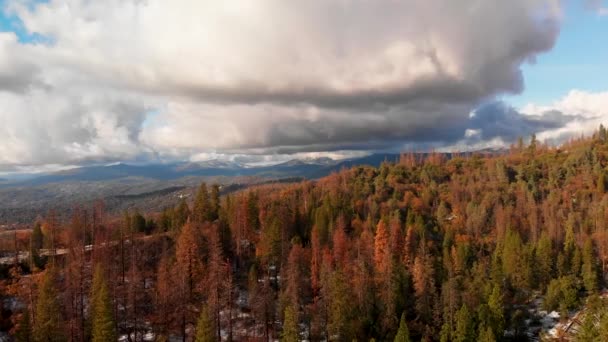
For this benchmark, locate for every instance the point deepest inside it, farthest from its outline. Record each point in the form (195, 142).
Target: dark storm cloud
(499, 120)
(259, 77)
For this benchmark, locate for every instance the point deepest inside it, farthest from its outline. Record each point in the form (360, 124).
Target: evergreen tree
(187, 255)
(514, 260)
(486, 335)
(201, 210)
(48, 325)
(205, 331)
(588, 331)
(561, 293)
(37, 238)
(424, 286)
(24, 330)
(269, 248)
(403, 334)
(214, 203)
(496, 306)
(603, 325)
(35, 259)
(102, 316)
(567, 261)
(340, 306)
(602, 133)
(381, 249)
(577, 262)
(290, 326)
(544, 261)
(166, 218)
(533, 144)
(465, 328)
(602, 185)
(138, 222)
(180, 215)
(252, 211)
(520, 144)
(589, 268)
(445, 333)
(36, 242)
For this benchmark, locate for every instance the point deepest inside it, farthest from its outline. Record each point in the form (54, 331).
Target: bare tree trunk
(16, 249)
(183, 326)
(230, 286)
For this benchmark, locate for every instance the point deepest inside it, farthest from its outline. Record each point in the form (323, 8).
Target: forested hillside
(428, 248)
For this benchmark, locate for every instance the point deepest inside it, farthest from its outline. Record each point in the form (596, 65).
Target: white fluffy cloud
(590, 109)
(268, 76)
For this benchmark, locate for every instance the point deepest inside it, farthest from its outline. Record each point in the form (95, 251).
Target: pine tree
(252, 211)
(544, 261)
(201, 211)
(187, 254)
(603, 325)
(293, 278)
(602, 185)
(290, 326)
(24, 330)
(403, 334)
(445, 333)
(424, 286)
(102, 316)
(381, 248)
(216, 279)
(35, 260)
(577, 262)
(590, 328)
(496, 306)
(588, 331)
(486, 335)
(37, 238)
(602, 133)
(567, 257)
(269, 248)
(214, 203)
(180, 215)
(36, 242)
(589, 268)
(465, 329)
(533, 144)
(48, 325)
(520, 144)
(514, 263)
(340, 306)
(205, 331)
(165, 296)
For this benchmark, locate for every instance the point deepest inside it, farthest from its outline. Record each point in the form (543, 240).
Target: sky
(143, 81)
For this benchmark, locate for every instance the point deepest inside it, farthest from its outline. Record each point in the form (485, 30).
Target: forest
(429, 248)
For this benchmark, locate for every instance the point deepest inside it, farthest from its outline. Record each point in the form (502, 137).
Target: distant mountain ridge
(306, 168)
(310, 168)
(153, 187)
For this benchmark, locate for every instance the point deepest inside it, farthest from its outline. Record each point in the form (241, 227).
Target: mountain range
(305, 168)
(149, 187)
(155, 186)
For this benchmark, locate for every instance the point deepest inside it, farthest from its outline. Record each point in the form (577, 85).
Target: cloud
(17, 70)
(497, 124)
(597, 6)
(59, 126)
(587, 110)
(263, 77)
(265, 128)
(498, 120)
(319, 52)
